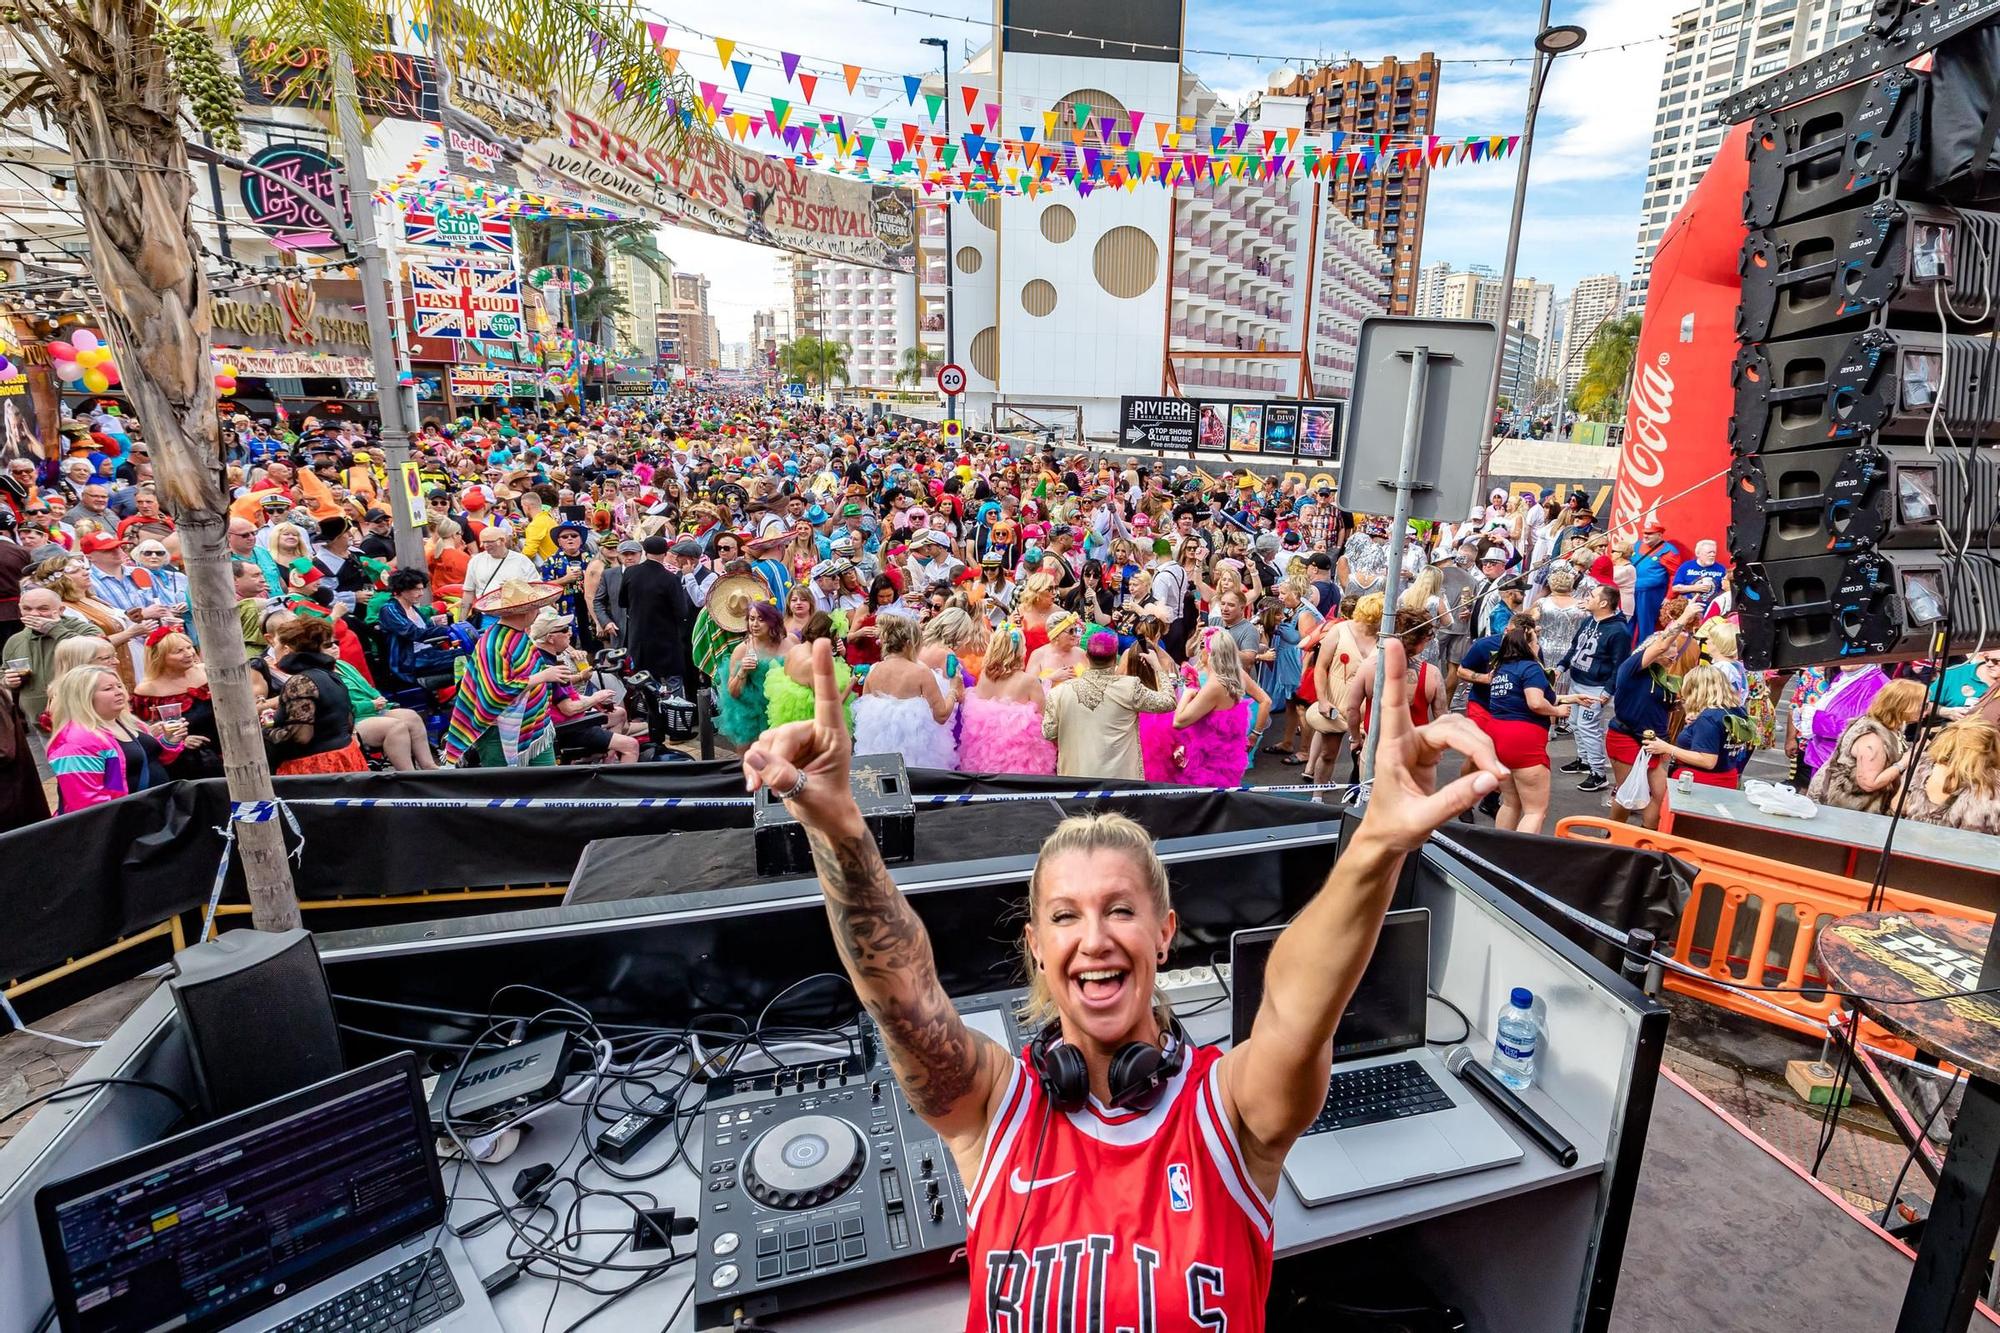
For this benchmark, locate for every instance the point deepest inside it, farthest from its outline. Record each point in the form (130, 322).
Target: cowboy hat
(1325, 719)
(730, 599)
(517, 595)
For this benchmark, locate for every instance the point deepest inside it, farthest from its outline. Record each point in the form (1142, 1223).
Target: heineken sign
(447, 226)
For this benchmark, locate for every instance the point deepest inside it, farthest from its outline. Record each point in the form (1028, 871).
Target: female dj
(1112, 1166)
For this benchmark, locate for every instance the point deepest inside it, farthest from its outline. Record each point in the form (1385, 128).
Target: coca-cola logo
(1642, 458)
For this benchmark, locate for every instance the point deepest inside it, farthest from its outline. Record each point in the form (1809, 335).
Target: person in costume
(743, 710)
(1000, 722)
(566, 567)
(1062, 656)
(501, 712)
(789, 690)
(904, 708)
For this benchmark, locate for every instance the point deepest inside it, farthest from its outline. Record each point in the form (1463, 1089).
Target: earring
(1162, 958)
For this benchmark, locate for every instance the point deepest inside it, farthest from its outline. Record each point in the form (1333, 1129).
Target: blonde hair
(1418, 595)
(1084, 834)
(1723, 641)
(1003, 654)
(1706, 687)
(1969, 753)
(1562, 579)
(1225, 659)
(1897, 704)
(951, 628)
(156, 652)
(80, 651)
(899, 634)
(70, 699)
(1037, 588)
(283, 534)
(1368, 613)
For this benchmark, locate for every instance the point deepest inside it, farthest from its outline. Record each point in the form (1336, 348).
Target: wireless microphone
(1463, 1063)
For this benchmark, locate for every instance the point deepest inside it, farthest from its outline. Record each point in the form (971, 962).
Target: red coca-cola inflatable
(1675, 459)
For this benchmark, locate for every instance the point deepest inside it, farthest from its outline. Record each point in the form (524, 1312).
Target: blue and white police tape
(734, 802)
(246, 812)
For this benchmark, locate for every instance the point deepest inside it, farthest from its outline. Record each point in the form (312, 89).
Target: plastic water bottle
(1515, 1039)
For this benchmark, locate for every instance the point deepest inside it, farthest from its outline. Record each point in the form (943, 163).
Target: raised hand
(1404, 807)
(820, 750)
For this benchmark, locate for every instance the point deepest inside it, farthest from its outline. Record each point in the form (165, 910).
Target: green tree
(113, 76)
(1607, 369)
(815, 361)
(916, 367)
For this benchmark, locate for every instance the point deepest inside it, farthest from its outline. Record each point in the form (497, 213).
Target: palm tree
(1607, 369)
(816, 361)
(113, 76)
(917, 362)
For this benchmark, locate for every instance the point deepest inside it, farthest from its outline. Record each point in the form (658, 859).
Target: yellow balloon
(94, 380)
(229, 370)
(93, 358)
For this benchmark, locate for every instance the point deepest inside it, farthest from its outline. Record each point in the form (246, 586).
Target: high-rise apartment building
(1393, 98)
(873, 311)
(1474, 293)
(687, 334)
(1716, 48)
(1591, 302)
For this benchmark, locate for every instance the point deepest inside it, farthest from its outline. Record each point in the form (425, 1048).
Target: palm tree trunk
(134, 188)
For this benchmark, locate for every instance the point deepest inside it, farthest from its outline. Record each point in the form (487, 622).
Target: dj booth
(871, 1236)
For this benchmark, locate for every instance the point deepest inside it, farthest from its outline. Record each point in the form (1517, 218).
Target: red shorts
(1477, 712)
(1518, 744)
(1621, 747)
(1731, 778)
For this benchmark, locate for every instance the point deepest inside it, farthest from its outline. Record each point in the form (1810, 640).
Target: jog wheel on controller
(803, 1162)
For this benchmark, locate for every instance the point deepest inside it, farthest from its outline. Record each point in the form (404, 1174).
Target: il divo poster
(1675, 459)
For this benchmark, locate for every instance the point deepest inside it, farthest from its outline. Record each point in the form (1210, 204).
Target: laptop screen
(203, 1229)
(1387, 1011)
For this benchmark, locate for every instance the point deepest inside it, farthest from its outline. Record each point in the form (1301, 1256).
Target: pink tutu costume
(1216, 749)
(1002, 736)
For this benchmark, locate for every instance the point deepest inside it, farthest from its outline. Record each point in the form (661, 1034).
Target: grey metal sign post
(1446, 362)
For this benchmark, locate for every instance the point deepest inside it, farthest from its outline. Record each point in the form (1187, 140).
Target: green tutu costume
(790, 701)
(742, 718)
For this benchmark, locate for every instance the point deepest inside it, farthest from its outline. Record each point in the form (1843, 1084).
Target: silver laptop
(1393, 1115)
(322, 1209)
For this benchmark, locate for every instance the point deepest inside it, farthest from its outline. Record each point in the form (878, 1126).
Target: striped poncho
(494, 692)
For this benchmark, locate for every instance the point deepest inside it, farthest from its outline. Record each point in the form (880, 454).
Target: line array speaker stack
(1865, 478)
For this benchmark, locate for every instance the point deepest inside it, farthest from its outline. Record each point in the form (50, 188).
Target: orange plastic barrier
(1753, 921)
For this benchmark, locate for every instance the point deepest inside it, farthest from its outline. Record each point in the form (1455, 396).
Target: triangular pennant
(741, 69)
(911, 85)
(739, 124)
(1048, 123)
(724, 49)
(935, 103)
(790, 64)
(670, 57)
(968, 94)
(851, 73)
(781, 111)
(1083, 110)
(808, 84)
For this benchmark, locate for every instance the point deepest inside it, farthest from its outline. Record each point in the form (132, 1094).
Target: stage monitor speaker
(882, 790)
(1833, 151)
(1808, 393)
(1867, 606)
(1842, 269)
(258, 1017)
(1812, 502)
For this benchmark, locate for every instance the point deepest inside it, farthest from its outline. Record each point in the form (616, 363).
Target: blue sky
(1590, 145)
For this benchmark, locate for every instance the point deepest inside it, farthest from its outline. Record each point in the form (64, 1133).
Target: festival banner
(465, 300)
(445, 226)
(718, 188)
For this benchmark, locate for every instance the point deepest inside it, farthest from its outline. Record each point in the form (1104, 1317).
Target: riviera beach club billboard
(1281, 427)
(713, 186)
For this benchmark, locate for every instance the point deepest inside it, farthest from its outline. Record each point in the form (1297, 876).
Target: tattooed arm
(950, 1073)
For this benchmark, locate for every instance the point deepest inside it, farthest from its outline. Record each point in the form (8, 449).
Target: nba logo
(1180, 1193)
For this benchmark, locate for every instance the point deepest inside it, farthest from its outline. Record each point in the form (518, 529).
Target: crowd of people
(998, 607)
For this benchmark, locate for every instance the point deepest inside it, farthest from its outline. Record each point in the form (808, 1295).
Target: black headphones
(1139, 1069)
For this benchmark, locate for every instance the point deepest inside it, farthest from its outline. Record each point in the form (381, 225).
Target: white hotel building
(1064, 303)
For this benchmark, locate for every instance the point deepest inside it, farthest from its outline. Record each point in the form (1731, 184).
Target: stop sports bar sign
(1156, 423)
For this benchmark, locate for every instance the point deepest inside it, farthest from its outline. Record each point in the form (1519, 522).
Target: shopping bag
(1635, 793)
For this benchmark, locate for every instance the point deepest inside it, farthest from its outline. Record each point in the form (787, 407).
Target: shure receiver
(494, 1084)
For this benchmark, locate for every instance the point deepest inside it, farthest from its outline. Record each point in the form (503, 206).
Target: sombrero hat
(517, 595)
(730, 599)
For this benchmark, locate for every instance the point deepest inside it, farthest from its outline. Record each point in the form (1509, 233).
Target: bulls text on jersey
(1061, 1288)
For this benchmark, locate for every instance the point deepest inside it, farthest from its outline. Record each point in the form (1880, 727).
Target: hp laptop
(1393, 1114)
(323, 1209)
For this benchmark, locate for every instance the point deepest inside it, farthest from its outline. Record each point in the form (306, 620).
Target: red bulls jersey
(1119, 1222)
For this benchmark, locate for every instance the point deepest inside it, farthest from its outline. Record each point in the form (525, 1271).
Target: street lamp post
(1549, 43)
(943, 46)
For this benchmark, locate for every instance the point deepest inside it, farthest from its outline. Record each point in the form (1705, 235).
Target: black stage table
(1909, 972)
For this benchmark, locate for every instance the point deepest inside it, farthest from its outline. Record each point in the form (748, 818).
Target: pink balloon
(60, 351)
(110, 373)
(83, 340)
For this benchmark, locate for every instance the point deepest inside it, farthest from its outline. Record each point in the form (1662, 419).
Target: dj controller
(820, 1181)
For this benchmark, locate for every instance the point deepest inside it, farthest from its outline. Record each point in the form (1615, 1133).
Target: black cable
(1890, 1205)
(83, 1086)
(1463, 1036)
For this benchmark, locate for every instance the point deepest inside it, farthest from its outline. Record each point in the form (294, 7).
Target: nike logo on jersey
(1020, 1185)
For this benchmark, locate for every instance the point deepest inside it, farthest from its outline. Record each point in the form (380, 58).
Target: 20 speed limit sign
(951, 379)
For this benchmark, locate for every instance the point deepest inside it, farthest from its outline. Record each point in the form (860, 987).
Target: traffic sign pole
(951, 383)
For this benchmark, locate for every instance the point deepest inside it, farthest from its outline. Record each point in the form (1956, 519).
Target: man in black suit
(659, 618)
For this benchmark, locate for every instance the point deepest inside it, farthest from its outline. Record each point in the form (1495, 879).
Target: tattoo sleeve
(888, 955)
